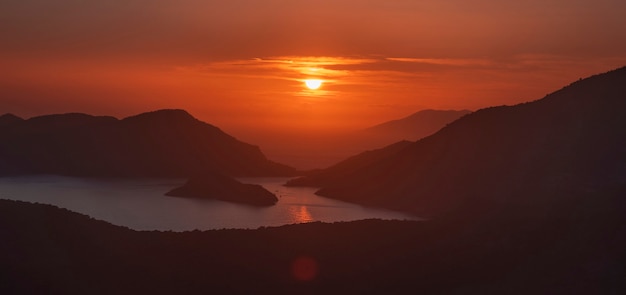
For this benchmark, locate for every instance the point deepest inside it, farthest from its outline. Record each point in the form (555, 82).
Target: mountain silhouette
(415, 126)
(164, 143)
(571, 141)
(323, 177)
(316, 150)
(528, 199)
(9, 119)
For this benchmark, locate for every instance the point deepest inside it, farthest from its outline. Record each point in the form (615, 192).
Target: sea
(140, 204)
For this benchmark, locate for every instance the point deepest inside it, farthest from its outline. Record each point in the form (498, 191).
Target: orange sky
(239, 64)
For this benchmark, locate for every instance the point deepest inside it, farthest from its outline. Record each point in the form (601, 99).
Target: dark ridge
(417, 125)
(68, 119)
(525, 155)
(164, 114)
(320, 178)
(165, 143)
(9, 119)
(163, 118)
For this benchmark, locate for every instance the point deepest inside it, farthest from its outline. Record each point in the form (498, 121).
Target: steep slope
(319, 178)
(315, 150)
(160, 143)
(526, 155)
(417, 125)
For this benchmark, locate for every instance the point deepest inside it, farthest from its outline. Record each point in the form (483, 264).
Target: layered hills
(415, 126)
(570, 141)
(527, 199)
(314, 150)
(322, 177)
(164, 143)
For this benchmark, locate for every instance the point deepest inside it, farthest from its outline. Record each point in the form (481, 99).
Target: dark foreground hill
(578, 248)
(527, 155)
(154, 144)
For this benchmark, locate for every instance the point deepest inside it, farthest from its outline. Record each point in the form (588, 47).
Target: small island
(224, 188)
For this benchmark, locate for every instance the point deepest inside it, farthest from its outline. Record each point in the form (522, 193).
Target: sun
(313, 83)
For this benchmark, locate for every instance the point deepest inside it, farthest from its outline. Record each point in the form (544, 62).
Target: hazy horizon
(241, 65)
(295, 77)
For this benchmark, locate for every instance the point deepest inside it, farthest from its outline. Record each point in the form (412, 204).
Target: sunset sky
(241, 64)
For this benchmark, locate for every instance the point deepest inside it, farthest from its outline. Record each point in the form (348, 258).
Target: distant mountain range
(164, 143)
(321, 177)
(415, 126)
(314, 151)
(569, 142)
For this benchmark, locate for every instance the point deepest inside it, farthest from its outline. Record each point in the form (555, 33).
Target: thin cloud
(444, 61)
(291, 68)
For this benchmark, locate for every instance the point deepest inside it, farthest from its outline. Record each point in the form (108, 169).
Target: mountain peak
(163, 114)
(68, 119)
(163, 143)
(9, 118)
(417, 125)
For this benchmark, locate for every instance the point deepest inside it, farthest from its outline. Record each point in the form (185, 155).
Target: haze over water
(141, 205)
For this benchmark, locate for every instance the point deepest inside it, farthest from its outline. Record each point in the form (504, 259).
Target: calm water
(140, 204)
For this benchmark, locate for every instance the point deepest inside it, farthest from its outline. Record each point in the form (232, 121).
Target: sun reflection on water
(300, 214)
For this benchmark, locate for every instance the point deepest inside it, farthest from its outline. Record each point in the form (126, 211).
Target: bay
(140, 204)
